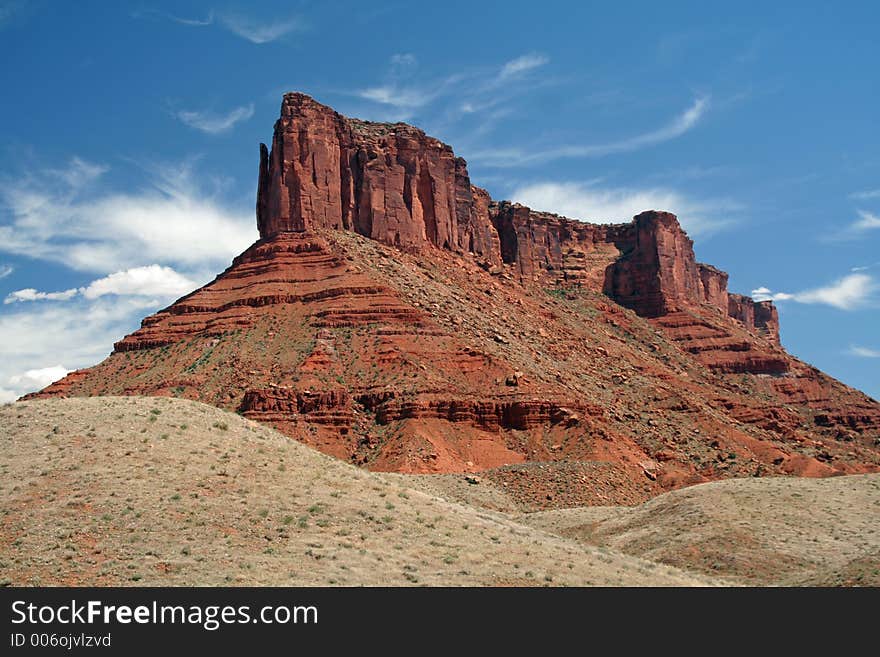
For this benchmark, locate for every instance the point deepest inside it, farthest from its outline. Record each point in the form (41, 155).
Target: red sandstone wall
(395, 184)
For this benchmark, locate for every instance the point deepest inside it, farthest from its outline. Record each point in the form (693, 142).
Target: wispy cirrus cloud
(522, 64)
(848, 293)
(679, 125)
(246, 27)
(260, 32)
(865, 195)
(591, 202)
(6, 270)
(863, 352)
(866, 222)
(215, 123)
(404, 91)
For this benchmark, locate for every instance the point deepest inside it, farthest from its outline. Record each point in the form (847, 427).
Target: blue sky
(129, 132)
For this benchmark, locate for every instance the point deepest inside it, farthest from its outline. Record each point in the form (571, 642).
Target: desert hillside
(156, 491)
(160, 491)
(776, 530)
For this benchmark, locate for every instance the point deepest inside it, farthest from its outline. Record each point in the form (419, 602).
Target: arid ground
(162, 491)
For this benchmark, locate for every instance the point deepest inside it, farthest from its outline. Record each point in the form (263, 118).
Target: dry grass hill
(162, 491)
(157, 491)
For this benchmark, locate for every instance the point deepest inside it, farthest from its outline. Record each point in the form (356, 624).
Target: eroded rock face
(389, 182)
(467, 334)
(395, 184)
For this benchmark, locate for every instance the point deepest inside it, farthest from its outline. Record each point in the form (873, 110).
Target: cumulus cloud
(30, 294)
(588, 202)
(679, 125)
(41, 341)
(153, 280)
(62, 216)
(766, 294)
(214, 123)
(848, 293)
(863, 352)
(39, 378)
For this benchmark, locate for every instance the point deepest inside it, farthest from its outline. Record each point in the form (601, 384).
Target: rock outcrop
(394, 184)
(389, 182)
(395, 316)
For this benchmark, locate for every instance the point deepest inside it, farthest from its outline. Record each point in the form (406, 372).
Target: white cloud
(38, 339)
(864, 352)
(39, 378)
(150, 281)
(213, 123)
(5, 270)
(153, 280)
(866, 195)
(60, 216)
(587, 202)
(134, 237)
(247, 28)
(511, 157)
(191, 22)
(400, 97)
(766, 294)
(848, 293)
(522, 64)
(257, 32)
(401, 89)
(30, 294)
(867, 221)
(467, 91)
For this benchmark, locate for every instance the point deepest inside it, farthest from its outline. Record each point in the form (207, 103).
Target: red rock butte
(392, 314)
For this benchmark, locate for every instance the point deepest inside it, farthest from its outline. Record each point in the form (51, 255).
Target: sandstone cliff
(394, 184)
(393, 315)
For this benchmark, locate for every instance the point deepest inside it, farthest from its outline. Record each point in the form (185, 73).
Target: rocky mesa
(392, 314)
